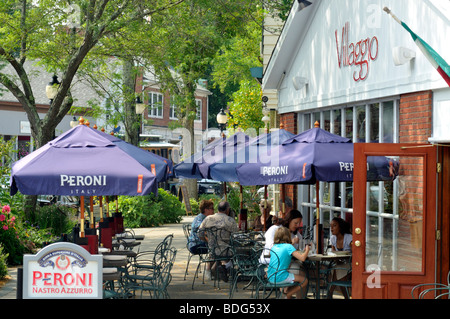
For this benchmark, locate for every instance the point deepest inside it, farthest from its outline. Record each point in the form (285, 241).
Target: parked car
(44, 200)
(204, 186)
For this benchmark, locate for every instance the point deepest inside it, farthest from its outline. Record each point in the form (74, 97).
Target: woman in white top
(341, 240)
(341, 236)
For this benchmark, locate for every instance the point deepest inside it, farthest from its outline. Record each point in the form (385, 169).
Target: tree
(231, 70)
(58, 35)
(183, 42)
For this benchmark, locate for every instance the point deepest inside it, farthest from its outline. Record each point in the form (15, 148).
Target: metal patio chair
(268, 285)
(187, 232)
(153, 281)
(219, 250)
(440, 290)
(245, 260)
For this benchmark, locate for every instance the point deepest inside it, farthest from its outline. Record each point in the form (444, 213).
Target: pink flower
(2, 217)
(5, 227)
(6, 209)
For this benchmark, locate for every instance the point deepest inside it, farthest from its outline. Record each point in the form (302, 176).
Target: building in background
(157, 136)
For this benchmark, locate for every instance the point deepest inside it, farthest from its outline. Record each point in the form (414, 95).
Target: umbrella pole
(225, 190)
(241, 197)
(81, 216)
(101, 208)
(107, 206)
(317, 215)
(283, 200)
(91, 207)
(265, 206)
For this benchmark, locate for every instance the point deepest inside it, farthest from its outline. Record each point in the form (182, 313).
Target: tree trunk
(132, 121)
(191, 109)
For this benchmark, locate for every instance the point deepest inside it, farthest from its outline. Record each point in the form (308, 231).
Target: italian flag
(435, 59)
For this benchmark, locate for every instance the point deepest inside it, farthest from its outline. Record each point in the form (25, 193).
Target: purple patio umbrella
(313, 156)
(81, 162)
(161, 167)
(258, 148)
(218, 151)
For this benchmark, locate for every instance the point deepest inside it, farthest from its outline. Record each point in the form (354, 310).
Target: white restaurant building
(350, 66)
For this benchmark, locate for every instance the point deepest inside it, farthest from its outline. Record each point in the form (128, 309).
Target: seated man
(221, 242)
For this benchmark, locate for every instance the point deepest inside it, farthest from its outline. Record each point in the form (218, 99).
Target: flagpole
(388, 11)
(433, 57)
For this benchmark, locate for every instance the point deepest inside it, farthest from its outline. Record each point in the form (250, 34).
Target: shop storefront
(351, 67)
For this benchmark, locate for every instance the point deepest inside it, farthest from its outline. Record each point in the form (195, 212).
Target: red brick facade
(416, 111)
(289, 123)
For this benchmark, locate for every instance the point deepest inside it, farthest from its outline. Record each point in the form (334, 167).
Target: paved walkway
(178, 288)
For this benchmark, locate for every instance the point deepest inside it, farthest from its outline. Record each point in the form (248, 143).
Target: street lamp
(266, 119)
(222, 120)
(266, 112)
(74, 122)
(52, 88)
(140, 106)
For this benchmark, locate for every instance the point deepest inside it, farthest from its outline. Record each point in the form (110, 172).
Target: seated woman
(341, 240)
(278, 270)
(341, 235)
(264, 221)
(195, 245)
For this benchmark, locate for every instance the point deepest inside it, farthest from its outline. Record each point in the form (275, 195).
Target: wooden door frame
(360, 276)
(443, 220)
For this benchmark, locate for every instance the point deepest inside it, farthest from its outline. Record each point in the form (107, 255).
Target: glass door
(394, 219)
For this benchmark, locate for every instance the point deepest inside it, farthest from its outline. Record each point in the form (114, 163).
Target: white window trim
(151, 103)
(172, 110)
(198, 108)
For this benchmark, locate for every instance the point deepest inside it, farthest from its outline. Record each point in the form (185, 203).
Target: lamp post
(222, 120)
(52, 88)
(140, 108)
(266, 112)
(74, 122)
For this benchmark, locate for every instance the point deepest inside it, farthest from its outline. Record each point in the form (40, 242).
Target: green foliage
(56, 219)
(171, 209)
(150, 210)
(3, 262)
(250, 198)
(9, 237)
(245, 110)
(232, 63)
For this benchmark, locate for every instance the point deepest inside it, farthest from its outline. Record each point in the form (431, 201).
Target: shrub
(3, 263)
(57, 219)
(9, 237)
(171, 208)
(149, 210)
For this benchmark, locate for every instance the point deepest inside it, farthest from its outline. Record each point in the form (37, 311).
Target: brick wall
(416, 111)
(289, 123)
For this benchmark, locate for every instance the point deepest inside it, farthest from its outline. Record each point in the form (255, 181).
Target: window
(374, 122)
(198, 103)
(155, 102)
(173, 109)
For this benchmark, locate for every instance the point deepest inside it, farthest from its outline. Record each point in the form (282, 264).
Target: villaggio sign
(358, 54)
(62, 271)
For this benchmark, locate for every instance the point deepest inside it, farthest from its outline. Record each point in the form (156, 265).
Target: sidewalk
(178, 288)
